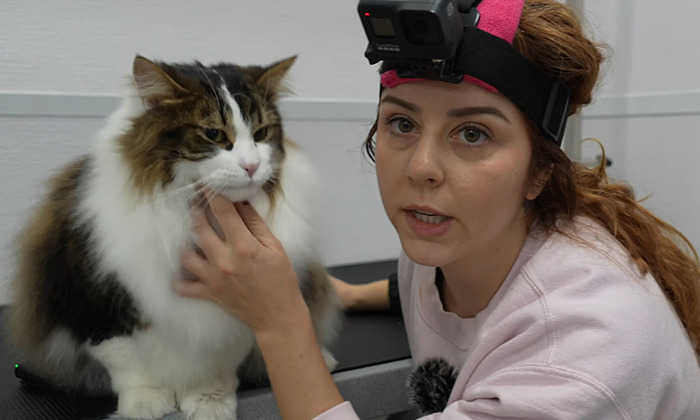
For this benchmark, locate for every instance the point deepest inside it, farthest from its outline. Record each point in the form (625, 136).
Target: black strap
(394, 300)
(494, 61)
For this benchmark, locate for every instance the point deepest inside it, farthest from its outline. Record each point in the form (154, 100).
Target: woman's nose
(424, 166)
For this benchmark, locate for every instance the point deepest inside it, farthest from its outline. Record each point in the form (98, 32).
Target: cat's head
(215, 126)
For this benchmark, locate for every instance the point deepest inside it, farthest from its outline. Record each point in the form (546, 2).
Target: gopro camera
(417, 33)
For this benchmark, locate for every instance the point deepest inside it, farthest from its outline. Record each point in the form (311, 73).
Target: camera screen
(383, 28)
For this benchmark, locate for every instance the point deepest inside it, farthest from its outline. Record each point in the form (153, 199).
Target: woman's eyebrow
(458, 112)
(400, 102)
(474, 110)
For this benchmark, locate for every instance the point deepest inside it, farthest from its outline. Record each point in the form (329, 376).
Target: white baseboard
(37, 104)
(30, 104)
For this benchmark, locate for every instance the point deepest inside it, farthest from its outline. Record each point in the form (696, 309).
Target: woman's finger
(208, 240)
(228, 218)
(193, 289)
(255, 224)
(196, 264)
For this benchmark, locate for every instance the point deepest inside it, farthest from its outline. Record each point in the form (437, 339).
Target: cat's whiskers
(213, 187)
(211, 116)
(137, 174)
(237, 94)
(211, 85)
(141, 176)
(267, 87)
(164, 195)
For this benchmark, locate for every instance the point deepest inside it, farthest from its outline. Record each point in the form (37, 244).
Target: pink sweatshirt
(574, 332)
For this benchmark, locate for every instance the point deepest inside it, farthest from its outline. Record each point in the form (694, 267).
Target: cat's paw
(145, 403)
(215, 400)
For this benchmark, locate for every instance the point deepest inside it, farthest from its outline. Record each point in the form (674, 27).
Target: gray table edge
(374, 391)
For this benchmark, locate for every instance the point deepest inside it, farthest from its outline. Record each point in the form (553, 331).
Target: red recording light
(366, 13)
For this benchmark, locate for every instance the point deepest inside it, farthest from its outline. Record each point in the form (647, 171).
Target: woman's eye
(473, 135)
(212, 133)
(260, 134)
(402, 125)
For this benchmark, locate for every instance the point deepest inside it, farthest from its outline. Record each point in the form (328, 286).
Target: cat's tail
(60, 362)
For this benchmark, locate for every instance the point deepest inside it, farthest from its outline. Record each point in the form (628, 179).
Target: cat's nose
(250, 168)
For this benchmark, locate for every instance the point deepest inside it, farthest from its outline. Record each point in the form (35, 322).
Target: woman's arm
(363, 297)
(252, 278)
(379, 295)
(300, 380)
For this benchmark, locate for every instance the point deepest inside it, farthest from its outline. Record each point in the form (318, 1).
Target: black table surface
(365, 339)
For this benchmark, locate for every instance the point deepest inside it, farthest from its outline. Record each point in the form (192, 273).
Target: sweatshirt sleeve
(536, 391)
(342, 411)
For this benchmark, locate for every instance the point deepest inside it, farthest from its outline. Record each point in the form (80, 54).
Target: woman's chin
(425, 253)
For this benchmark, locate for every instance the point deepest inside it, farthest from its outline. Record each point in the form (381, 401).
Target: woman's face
(452, 165)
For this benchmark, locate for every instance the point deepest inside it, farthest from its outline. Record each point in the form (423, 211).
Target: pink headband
(498, 17)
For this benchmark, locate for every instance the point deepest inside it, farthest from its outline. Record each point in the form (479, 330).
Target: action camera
(415, 30)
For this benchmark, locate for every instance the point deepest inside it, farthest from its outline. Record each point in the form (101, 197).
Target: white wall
(650, 107)
(62, 64)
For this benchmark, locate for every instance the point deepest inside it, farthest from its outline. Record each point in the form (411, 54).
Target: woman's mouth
(427, 223)
(428, 217)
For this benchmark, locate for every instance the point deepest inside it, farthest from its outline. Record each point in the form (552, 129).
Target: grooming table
(373, 364)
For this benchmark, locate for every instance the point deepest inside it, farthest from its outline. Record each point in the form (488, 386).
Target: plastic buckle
(557, 112)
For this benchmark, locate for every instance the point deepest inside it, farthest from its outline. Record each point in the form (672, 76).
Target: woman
(543, 290)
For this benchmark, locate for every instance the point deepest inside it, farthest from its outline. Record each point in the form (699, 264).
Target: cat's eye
(212, 133)
(260, 134)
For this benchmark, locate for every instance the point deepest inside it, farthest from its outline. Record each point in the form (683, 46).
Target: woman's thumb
(255, 224)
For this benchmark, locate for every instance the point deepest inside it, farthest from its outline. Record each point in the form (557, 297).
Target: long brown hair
(550, 36)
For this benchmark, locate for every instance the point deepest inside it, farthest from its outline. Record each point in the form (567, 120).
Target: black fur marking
(431, 384)
(238, 84)
(180, 72)
(208, 78)
(171, 139)
(70, 294)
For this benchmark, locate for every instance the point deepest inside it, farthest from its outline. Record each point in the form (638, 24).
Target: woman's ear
(538, 183)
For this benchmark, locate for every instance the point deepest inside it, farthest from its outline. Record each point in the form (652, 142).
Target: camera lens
(421, 28)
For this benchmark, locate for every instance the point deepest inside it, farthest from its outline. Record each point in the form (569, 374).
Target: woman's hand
(246, 272)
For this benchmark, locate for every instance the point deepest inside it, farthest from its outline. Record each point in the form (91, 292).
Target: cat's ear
(153, 84)
(272, 80)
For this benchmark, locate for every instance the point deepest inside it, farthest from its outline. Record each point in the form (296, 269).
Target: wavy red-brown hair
(550, 35)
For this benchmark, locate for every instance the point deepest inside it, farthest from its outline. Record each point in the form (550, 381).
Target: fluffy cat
(95, 310)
